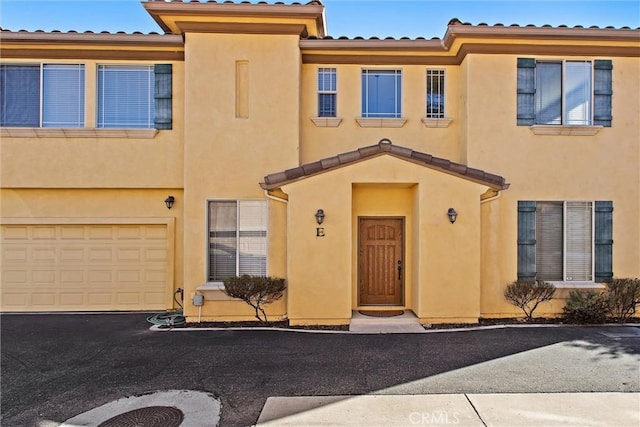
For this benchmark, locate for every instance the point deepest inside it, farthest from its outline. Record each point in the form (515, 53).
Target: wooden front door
(381, 261)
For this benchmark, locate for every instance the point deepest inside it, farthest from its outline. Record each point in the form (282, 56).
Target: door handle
(399, 269)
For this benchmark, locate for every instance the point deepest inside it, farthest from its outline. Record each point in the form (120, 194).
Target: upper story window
(126, 96)
(326, 92)
(435, 94)
(568, 93)
(565, 241)
(46, 95)
(382, 93)
(237, 238)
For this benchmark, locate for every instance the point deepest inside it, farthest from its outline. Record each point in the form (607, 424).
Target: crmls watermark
(434, 418)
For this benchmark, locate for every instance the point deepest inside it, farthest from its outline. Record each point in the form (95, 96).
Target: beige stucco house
(135, 165)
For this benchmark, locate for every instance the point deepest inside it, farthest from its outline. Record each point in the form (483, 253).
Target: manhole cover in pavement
(151, 416)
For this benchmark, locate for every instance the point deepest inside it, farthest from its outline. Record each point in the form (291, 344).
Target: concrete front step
(405, 323)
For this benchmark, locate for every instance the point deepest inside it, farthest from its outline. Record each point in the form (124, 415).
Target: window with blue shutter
(126, 96)
(570, 92)
(603, 241)
(565, 241)
(163, 96)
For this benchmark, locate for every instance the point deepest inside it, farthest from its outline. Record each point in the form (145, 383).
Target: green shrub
(622, 296)
(255, 291)
(528, 295)
(585, 307)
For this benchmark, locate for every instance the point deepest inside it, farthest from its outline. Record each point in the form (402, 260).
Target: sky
(350, 18)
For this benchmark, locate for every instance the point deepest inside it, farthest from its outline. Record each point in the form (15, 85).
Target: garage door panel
(84, 267)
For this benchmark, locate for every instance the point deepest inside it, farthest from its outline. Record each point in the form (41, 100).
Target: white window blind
(549, 93)
(326, 92)
(20, 95)
(578, 92)
(62, 95)
(564, 241)
(578, 245)
(126, 96)
(237, 238)
(549, 246)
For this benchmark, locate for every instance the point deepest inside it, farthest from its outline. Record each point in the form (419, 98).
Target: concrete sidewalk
(508, 410)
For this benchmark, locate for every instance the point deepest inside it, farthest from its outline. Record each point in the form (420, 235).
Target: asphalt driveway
(56, 366)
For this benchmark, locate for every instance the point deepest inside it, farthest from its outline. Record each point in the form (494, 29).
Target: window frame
(208, 202)
(564, 119)
(333, 90)
(82, 85)
(441, 114)
(151, 106)
(565, 239)
(397, 73)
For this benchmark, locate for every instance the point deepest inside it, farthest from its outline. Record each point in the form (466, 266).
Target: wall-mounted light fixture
(319, 219)
(169, 201)
(452, 214)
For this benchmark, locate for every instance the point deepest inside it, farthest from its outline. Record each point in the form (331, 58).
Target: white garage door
(84, 267)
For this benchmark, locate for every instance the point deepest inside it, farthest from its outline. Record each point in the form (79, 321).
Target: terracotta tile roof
(278, 179)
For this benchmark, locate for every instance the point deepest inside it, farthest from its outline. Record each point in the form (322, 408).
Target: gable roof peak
(383, 147)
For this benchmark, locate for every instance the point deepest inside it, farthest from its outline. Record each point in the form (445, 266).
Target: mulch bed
(285, 324)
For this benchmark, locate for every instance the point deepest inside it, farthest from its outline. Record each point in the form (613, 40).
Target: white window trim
(443, 94)
(578, 283)
(388, 121)
(565, 129)
(218, 285)
(97, 90)
(327, 92)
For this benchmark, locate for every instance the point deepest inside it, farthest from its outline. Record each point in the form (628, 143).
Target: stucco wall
(227, 156)
(445, 257)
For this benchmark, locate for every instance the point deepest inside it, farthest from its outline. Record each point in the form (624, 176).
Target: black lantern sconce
(452, 214)
(319, 219)
(169, 201)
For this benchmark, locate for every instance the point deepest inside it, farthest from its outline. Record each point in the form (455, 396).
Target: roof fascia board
(91, 46)
(457, 31)
(160, 9)
(243, 28)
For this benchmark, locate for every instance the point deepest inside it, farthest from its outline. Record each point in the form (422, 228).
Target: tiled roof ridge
(75, 32)
(294, 3)
(456, 22)
(385, 146)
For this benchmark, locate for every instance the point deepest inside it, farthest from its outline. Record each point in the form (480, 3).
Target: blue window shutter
(20, 95)
(603, 241)
(526, 91)
(602, 91)
(527, 241)
(163, 94)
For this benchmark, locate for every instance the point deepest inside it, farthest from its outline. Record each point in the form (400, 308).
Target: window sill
(436, 123)
(565, 130)
(578, 285)
(28, 132)
(367, 122)
(214, 292)
(326, 122)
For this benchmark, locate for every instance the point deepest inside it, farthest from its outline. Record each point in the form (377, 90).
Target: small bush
(585, 307)
(622, 296)
(528, 295)
(255, 291)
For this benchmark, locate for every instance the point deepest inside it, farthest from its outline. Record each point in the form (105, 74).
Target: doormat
(381, 313)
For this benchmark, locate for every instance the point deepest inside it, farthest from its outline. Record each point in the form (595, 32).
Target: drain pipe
(272, 197)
